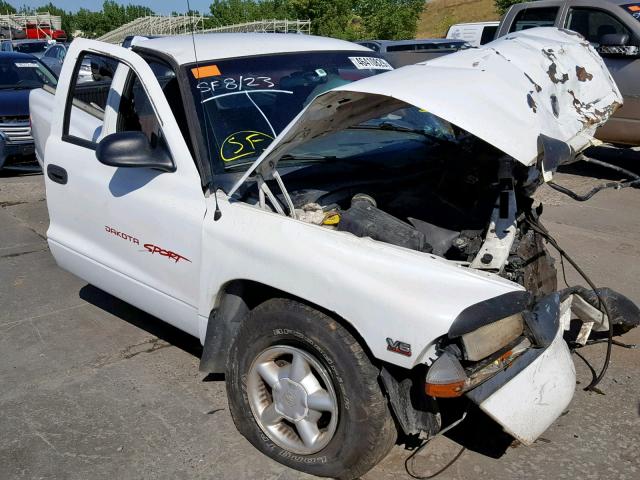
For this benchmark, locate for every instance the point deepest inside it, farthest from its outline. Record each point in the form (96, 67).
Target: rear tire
(291, 369)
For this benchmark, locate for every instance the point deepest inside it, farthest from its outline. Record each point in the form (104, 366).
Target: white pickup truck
(352, 244)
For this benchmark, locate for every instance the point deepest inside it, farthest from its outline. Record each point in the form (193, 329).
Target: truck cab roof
(213, 46)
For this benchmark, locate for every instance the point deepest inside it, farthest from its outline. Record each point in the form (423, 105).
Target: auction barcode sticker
(370, 63)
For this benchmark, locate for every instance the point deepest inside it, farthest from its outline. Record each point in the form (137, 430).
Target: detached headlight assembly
(490, 338)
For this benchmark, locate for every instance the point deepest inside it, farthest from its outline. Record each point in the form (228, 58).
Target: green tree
(503, 5)
(228, 12)
(390, 19)
(328, 17)
(6, 8)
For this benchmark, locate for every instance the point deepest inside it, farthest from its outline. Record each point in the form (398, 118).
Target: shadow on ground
(142, 320)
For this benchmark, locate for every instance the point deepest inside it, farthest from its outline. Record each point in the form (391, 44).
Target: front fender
(383, 291)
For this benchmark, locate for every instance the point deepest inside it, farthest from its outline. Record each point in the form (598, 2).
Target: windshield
(24, 73)
(33, 47)
(243, 104)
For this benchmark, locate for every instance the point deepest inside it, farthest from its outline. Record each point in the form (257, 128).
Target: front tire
(302, 391)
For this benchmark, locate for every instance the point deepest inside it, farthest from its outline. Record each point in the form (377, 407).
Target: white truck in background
(475, 33)
(352, 244)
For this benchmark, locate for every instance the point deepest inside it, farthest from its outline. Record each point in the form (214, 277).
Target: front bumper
(526, 398)
(15, 154)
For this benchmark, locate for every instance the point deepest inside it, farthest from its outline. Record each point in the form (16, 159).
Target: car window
(23, 73)
(592, 24)
(136, 114)
(534, 17)
(401, 48)
(51, 52)
(32, 47)
(488, 34)
(88, 94)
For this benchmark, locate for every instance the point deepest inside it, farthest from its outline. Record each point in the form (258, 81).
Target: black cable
(635, 182)
(538, 228)
(593, 191)
(409, 469)
(411, 458)
(564, 272)
(630, 346)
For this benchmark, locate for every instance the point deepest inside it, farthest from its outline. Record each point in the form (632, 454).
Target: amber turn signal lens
(449, 390)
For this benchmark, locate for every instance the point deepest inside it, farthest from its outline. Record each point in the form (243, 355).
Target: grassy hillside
(439, 15)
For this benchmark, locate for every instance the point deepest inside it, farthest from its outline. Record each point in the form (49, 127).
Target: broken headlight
(490, 338)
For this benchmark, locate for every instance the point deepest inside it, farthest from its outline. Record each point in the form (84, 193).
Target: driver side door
(133, 232)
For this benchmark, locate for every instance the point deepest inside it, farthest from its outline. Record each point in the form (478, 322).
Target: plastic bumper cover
(532, 393)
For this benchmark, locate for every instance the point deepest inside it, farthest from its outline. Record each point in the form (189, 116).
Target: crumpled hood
(542, 83)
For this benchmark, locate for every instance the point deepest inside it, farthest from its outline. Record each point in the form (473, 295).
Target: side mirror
(615, 45)
(614, 40)
(133, 150)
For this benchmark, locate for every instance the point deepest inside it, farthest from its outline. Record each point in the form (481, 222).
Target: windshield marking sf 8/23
(263, 94)
(226, 84)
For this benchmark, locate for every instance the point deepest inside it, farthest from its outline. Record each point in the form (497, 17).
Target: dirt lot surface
(93, 388)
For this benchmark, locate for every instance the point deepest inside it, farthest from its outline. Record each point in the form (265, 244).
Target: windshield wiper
(307, 157)
(392, 127)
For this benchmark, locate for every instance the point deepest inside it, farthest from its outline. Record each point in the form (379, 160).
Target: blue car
(19, 74)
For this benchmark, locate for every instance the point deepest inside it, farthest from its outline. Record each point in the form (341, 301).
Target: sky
(158, 6)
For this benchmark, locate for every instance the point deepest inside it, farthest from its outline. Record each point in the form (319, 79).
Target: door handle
(57, 174)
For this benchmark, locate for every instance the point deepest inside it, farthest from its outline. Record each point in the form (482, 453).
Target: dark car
(54, 55)
(33, 47)
(19, 74)
(407, 52)
(12, 32)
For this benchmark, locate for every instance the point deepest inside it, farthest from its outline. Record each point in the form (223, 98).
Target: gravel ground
(93, 388)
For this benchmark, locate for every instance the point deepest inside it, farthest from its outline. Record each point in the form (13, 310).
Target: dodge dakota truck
(353, 245)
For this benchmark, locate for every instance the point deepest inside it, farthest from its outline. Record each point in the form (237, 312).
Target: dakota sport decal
(149, 247)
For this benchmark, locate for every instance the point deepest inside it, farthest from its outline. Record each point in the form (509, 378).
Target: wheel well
(235, 301)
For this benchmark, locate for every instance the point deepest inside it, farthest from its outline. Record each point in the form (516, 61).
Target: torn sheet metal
(538, 82)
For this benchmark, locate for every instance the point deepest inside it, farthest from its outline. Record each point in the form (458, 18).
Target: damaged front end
(506, 115)
(518, 369)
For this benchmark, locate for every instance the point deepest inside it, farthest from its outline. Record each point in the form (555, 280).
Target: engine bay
(442, 200)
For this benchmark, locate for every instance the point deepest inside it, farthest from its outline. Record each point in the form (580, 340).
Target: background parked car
(130, 40)
(54, 57)
(12, 32)
(19, 74)
(613, 28)
(476, 34)
(407, 52)
(33, 47)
